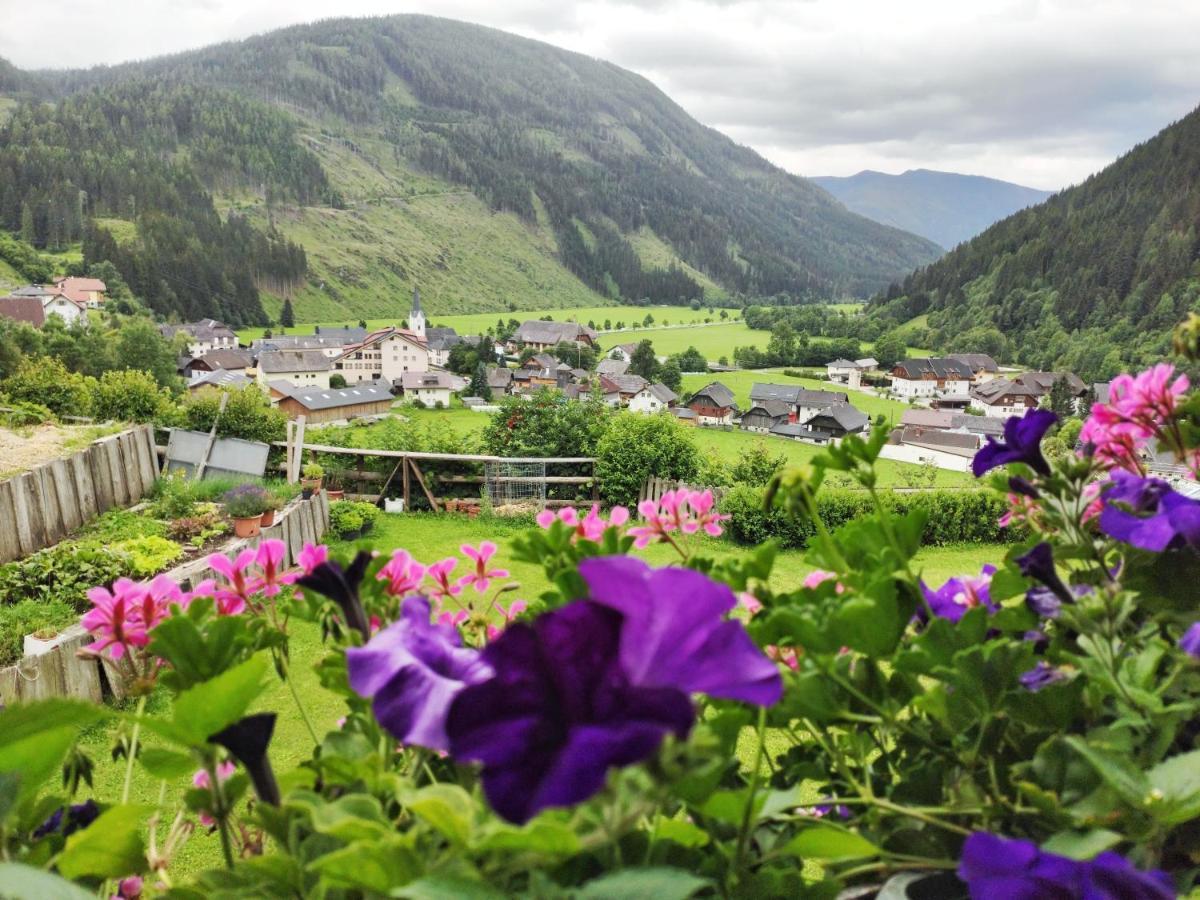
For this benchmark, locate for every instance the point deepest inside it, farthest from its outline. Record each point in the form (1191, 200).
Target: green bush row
(953, 517)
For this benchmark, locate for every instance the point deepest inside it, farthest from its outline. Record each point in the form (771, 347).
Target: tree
(890, 348)
(546, 424)
(479, 386)
(671, 376)
(140, 344)
(129, 395)
(637, 447)
(781, 349)
(337, 380)
(643, 361)
(648, 321)
(1060, 400)
(758, 465)
(287, 317)
(46, 381)
(691, 360)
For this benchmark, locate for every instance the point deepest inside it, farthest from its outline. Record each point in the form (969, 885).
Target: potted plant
(333, 484)
(245, 504)
(273, 506)
(369, 513)
(344, 520)
(311, 482)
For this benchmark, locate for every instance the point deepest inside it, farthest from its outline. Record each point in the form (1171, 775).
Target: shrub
(952, 517)
(248, 415)
(245, 501)
(636, 447)
(129, 395)
(122, 524)
(758, 465)
(344, 518)
(44, 380)
(147, 556)
(546, 424)
(23, 413)
(173, 496)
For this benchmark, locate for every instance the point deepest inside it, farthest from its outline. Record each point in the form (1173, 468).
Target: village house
(983, 367)
(1045, 381)
(500, 380)
(23, 309)
(653, 398)
(610, 391)
(930, 377)
(384, 355)
(612, 366)
(836, 422)
(803, 403)
(202, 336)
(766, 414)
(850, 371)
(685, 415)
(1001, 398)
(431, 388)
(300, 368)
(622, 352)
(333, 405)
(87, 292)
(332, 347)
(220, 378)
(441, 341)
(713, 404)
(54, 303)
(627, 386)
(545, 335)
(215, 360)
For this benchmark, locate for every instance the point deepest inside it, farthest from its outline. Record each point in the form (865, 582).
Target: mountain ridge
(577, 153)
(945, 207)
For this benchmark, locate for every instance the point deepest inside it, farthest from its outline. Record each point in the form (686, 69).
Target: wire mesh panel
(519, 484)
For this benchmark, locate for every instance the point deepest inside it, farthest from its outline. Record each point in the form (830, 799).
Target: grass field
(429, 538)
(714, 341)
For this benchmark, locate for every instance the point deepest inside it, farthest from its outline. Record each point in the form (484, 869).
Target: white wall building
(653, 398)
(387, 354)
(300, 368)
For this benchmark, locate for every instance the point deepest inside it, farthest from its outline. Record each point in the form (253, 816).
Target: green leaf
(168, 764)
(1082, 844)
(828, 842)
(730, 806)
(212, 705)
(659, 882)
(442, 887)
(23, 882)
(1117, 772)
(376, 866)
(111, 847)
(539, 836)
(351, 818)
(36, 757)
(27, 719)
(679, 831)
(446, 808)
(1178, 780)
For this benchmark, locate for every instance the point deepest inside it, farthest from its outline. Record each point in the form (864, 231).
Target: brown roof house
(23, 309)
(713, 404)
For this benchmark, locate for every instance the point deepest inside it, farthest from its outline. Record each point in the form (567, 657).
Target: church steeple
(416, 318)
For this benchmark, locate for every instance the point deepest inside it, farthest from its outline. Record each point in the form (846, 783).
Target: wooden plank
(212, 437)
(10, 544)
(51, 512)
(64, 489)
(291, 537)
(436, 457)
(10, 686)
(147, 457)
(323, 514)
(120, 481)
(407, 500)
(85, 491)
(308, 529)
(102, 490)
(298, 456)
(30, 534)
(81, 675)
(287, 463)
(421, 481)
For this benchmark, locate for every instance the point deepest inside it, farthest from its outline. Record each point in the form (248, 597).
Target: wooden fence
(40, 507)
(654, 487)
(53, 668)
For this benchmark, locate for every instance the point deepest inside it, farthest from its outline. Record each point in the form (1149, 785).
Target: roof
(927, 418)
(428, 380)
(867, 362)
(775, 409)
(499, 378)
(383, 334)
(720, 395)
(1044, 381)
(996, 391)
(296, 342)
(273, 361)
(416, 307)
(223, 359)
(794, 430)
(938, 366)
(978, 424)
(540, 361)
(950, 441)
(846, 416)
(316, 398)
(442, 338)
(23, 309)
(979, 362)
(203, 330)
(841, 363)
(221, 378)
(682, 412)
(78, 289)
(612, 367)
(662, 393)
(796, 395)
(538, 332)
(344, 336)
(628, 383)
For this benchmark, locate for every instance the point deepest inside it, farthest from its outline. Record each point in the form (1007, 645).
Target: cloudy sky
(1041, 92)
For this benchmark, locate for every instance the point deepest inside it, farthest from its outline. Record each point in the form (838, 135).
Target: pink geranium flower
(269, 558)
(482, 577)
(750, 603)
(702, 503)
(202, 781)
(1141, 408)
(312, 556)
(820, 576)
(116, 618)
(234, 594)
(439, 574)
(590, 527)
(402, 573)
(515, 609)
(660, 518)
(453, 619)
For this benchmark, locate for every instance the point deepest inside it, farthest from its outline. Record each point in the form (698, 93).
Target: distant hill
(365, 157)
(1091, 280)
(942, 206)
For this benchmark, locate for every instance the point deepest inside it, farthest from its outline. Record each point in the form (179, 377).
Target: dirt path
(25, 448)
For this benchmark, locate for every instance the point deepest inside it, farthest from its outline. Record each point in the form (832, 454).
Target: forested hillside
(1092, 279)
(945, 207)
(357, 140)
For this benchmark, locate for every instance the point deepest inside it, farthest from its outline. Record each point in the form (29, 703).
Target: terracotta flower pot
(268, 518)
(246, 528)
(336, 495)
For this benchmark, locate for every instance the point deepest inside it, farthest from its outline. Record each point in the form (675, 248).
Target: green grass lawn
(430, 538)
(714, 341)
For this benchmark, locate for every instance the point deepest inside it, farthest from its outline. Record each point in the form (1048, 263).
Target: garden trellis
(515, 482)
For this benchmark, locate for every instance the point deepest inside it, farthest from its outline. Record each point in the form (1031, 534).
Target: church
(388, 353)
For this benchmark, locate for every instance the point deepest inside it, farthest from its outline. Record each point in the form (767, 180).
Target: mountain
(942, 206)
(1091, 280)
(373, 155)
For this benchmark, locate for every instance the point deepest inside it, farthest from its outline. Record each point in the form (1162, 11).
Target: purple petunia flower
(413, 670)
(1042, 676)
(559, 711)
(953, 599)
(1190, 642)
(1022, 443)
(341, 586)
(247, 739)
(675, 633)
(996, 868)
(1038, 564)
(69, 819)
(1147, 513)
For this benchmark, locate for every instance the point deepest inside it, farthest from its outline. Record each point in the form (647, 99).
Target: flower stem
(748, 814)
(131, 751)
(287, 677)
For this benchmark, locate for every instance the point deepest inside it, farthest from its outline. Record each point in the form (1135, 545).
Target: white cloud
(1042, 92)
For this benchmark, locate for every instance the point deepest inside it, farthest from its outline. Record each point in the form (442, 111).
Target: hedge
(954, 517)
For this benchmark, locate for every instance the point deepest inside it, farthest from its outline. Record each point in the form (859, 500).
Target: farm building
(336, 404)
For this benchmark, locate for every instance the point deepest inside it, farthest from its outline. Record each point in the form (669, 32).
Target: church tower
(416, 318)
